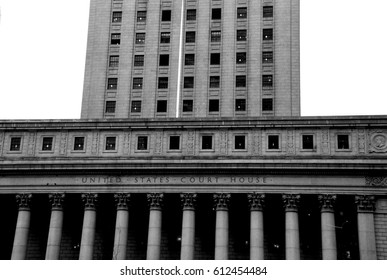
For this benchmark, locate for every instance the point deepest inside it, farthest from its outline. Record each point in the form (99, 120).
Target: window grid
(112, 83)
(214, 82)
(241, 35)
(241, 12)
(163, 82)
(117, 17)
(110, 107)
(191, 14)
(140, 38)
(15, 144)
(138, 60)
(114, 61)
(137, 83)
(79, 143)
(189, 59)
(136, 106)
(165, 37)
(216, 36)
(141, 16)
(240, 81)
(190, 37)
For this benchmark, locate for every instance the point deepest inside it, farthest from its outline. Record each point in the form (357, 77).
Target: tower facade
(192, 58)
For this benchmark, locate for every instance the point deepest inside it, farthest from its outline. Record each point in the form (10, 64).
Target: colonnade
(365, 217)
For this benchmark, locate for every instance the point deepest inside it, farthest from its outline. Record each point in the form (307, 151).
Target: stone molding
(155, 201)
(188, 200)
(90, 200)
(56, 200)
(365, 203)
(222, 201)
(256, 201)
(327, 202)
(291, 201)
(122, 201)
(23, 201)
(376, 181)
(378, 141)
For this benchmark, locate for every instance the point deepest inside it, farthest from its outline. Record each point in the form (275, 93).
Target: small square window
(189, 59)
(110, 143)
(140, 38)
(240, 81)
(268, 11)
(164, 60)
(141, 16)
(267, 34)
(191, 14)
(136, 106)
(240, 105)
(267, 80)
(190, 37)
(216, 36)
(213, 105)
(115, 39)
(110, 107)
(138, 60)
(112, 83)
(267, 104)
(15, 144)
(79, 143)
(188, 82)
(240, 142)
(215, 59)
(343, 142)
(166, 15)
(47, 144)
(267, 57)
(241, 58)
(137, 83)
(242, 12)
(165, 37)
(273, 142)
(162, 106)
(214, 82)
(163, 82)
(307, 142)
(117, 17)
(216, 14)
(114, 61)
(187, 105)
(207, 142)
(142, 143)
(241, 35)
(174, 142)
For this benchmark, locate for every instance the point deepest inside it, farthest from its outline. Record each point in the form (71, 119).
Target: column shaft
(88, 228)
(54, 235)
(121, 235)
(221, 235)
(188, 226)
(154, 235)
(19, 250)
(256, 235)
(292, 234)
(366, 227)
(328, 235)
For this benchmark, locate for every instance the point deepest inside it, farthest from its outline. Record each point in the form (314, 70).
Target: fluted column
(188, 228)
(56, 225)
(88, 229)
(366, 226)
(155, 201)
(19, 250)
(328, 228)
(292, 234)
(221, 229)
(122, 223)
(256, 202)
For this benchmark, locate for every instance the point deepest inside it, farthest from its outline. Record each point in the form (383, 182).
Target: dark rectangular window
(190, 37)
(241, 58)
(140, 38)
(273, 142)
(267, 80)
(242, 12)
(343, 142)
(213, 105)
(139, 60)
(136, 106)
(267, 57)
(188, 82)
(110, 107)
(267, 34)
(163, 82)
(267, 104)
(117, 17)
(307, 142)
(240, 142)
(114, 60)
(142, 143)
(215, 59)
(267, 11)
(15, 144)
(164, 60)
(241, 35)
(110, 144)
(79, 143)
(216, 14)
(162, 106)
(206, 142)
(189, 59)
(115, 39)
(214, 82)
(47, 144)
(240, 81)
(174, 142)
(141, 16)
(166, 15)
(112, 83)
(216, 36)
(240, 105)
(191, 14)
(165, 37)
(187, 105)
(137, 83)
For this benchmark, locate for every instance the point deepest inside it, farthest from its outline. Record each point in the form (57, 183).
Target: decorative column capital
(291, 201)
(56, 200)
(188, 200)
(365, 203)
(90, 200)
(122, 200)
(256, 201)
(23, 201)
(222, 201)
(155, 200)
(327, 202)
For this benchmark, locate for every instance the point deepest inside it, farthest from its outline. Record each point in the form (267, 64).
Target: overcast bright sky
(43, 47)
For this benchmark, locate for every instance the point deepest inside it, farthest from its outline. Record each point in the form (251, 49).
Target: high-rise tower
(192, 58)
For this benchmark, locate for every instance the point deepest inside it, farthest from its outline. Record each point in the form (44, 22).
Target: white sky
(43, 48)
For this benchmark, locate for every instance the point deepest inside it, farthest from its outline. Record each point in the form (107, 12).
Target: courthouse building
(191, 146)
